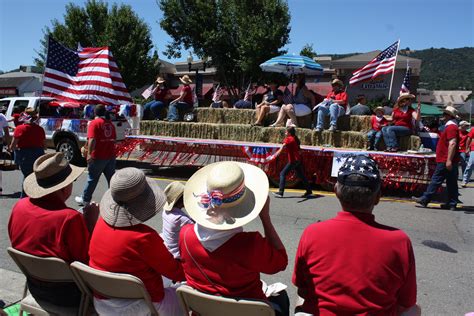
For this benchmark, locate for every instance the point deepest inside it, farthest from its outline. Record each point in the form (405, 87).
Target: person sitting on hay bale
(184, 102)
(243, 103)
(271, 103)
(377, 121)
(162, 95)
(333, 106)
(303, 102)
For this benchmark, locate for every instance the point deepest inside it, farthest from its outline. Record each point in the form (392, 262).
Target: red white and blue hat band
(216, 198)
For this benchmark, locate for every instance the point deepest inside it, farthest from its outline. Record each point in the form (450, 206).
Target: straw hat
(226, 195)
(173, 192)
(450, 110)
(132, 199)
(379, 109)
(404, 96)
(337, 82)
(159, 80)
(185, 79)
(51, 172)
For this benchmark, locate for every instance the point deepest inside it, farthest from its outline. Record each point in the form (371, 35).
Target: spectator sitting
(243, 103)
(42, 224)
(122, 243)
(217, 102)
(352, 265)
(162, 95)
(303, 102)
(271, 103)
(334, 106)
(183, 102)
(218, 257)
(361, 107)
(173, 217)
(374, 136)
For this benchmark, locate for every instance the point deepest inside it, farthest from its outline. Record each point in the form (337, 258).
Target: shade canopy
(429, 110)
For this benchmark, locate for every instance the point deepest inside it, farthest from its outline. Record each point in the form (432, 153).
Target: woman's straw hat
(226, 195)
(185, 79)
(160, 80)
(404, 96)
(450, 110)
(173, 192)
(337, 82)
(379, 109)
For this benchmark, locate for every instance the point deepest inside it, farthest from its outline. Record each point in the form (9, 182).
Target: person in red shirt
(101, 153)
(470, 162)
(447, 159)
(402, 119)
(161, 97)
(217, 256)
(122, 243)
(351, 264)
(42, 225)
(292, 145)
(334, 106)
(184, 102)
(374, 136)
(463, 136)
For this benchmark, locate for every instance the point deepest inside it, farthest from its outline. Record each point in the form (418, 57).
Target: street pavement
(443, 240)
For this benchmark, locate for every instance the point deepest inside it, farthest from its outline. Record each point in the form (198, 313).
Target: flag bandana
(360, 165)
(260, 155)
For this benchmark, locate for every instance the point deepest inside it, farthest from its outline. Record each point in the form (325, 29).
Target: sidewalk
(12, 285)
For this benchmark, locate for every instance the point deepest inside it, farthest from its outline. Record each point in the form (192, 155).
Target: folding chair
(43, 269)
(110, 285)
(202, 304)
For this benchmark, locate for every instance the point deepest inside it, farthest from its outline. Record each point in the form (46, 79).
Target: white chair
(110, 285)
(203, 304)
(43, 269)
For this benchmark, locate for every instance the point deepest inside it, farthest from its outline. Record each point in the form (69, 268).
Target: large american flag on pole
(383, 63)
(90, 75)
(406, 82)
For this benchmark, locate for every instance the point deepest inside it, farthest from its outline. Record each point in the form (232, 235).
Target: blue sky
(332, 26)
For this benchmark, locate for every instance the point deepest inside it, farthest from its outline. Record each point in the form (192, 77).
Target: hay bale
(360, 123)
(343, 123)
(225, 116)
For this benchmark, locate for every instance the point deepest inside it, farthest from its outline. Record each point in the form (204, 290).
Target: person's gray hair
(354, 197)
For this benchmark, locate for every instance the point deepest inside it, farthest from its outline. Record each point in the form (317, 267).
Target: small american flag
(216, 97)
(90, 76)
(148, 91)
(406, 82)
(383, 63)
(248, 92)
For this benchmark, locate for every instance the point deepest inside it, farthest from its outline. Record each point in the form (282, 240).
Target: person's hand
(265, 212)
(449, 165)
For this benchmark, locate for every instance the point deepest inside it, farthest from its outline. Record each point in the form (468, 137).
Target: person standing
(101, 153)
(463, 152)
(161, 94)
(183, 102)
(447, 159)
(292, 145)
(469, 157)
(336, 103)
(4, 139)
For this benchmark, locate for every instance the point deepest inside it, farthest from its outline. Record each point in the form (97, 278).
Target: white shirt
(3, 124)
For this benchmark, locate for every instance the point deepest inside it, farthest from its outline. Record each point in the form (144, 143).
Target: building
(20, 83)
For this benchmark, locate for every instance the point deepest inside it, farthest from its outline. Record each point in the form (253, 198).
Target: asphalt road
(443, 240)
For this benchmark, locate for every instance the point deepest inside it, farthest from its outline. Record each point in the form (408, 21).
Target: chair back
(203, 304)
(49, 269)
(110, 285)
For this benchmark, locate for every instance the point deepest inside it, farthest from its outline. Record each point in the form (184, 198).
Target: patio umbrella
(292, 64)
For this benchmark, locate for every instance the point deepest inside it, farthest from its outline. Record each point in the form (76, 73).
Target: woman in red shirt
(292, 145)
(162, 95)
(403, 116)
(184, 102)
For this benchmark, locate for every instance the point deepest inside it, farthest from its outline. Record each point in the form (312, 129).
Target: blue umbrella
(292, 64)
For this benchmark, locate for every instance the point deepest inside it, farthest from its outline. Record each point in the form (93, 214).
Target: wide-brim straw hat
(242, 188)
(132, 199)
(185, 79)
(173, 192)
(337, 82)
(379, 109)
(450, 110)
(404, 96)
(160, 80)
(51, 172)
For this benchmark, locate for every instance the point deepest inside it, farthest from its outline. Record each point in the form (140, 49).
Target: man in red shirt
(447, 159)
(470, 163)
(101, 153)
(352, 265)
(335, 106)
(183, 102)
(42, 224)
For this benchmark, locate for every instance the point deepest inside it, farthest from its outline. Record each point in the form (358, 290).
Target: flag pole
(393, 72)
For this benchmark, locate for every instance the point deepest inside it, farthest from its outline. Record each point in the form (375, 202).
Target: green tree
(308, 51)
(118, 27)
(237, 35)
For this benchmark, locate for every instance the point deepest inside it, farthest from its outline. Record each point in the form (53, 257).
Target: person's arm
(452, 149)
(416, 114)
(90, 147)
(280, 150)
(468, 145)
(14, 143)
(181, 96)
(270, 232)
(343, 101)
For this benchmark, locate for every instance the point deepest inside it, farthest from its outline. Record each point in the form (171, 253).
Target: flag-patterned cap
(361, 165)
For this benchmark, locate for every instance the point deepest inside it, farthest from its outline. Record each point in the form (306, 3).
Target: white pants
(274, 109)
(301, 109)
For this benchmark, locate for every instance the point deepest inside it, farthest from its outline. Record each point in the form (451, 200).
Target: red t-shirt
(188, 98)
(339, 96)
(451, 131)
(160, 94)
(29, 136)
(46, 227)
(292, 148)
(103, 131)
(377, 125)
(16, 119)
(401, 118)
(471, 136)
(234, 268)
(352, 265)
(463, 135)
(136, 250)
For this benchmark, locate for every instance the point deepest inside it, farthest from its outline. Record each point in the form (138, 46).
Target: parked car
(63, 123)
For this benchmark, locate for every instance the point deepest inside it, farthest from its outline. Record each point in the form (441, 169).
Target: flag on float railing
(406, 82)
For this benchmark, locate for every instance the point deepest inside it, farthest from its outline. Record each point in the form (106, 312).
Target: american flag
(216, 97)
(248, 92)
(90, 75)
(406, 82)
(149, 91)
(383, 63)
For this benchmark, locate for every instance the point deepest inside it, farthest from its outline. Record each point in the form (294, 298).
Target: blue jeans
(333, 111)
(469, 166)
(463, 158)
(154, 107)
(173, 114)
(298, 166)
(391, 134)
(373, 138)
(96, 167)
(24, 159)
(440, 174)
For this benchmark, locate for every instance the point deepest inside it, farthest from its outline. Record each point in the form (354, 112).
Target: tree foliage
(118, 27)
(238, 35)
(308, 51)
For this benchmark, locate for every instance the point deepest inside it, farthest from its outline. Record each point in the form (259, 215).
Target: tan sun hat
(337, 82)
(185, 79)
(464, 123)
(451, 110)
(379, 109)
(404, 96)
(160, 80)
(132, 199)
(226, 195)
(51, 172)
(173, 192)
